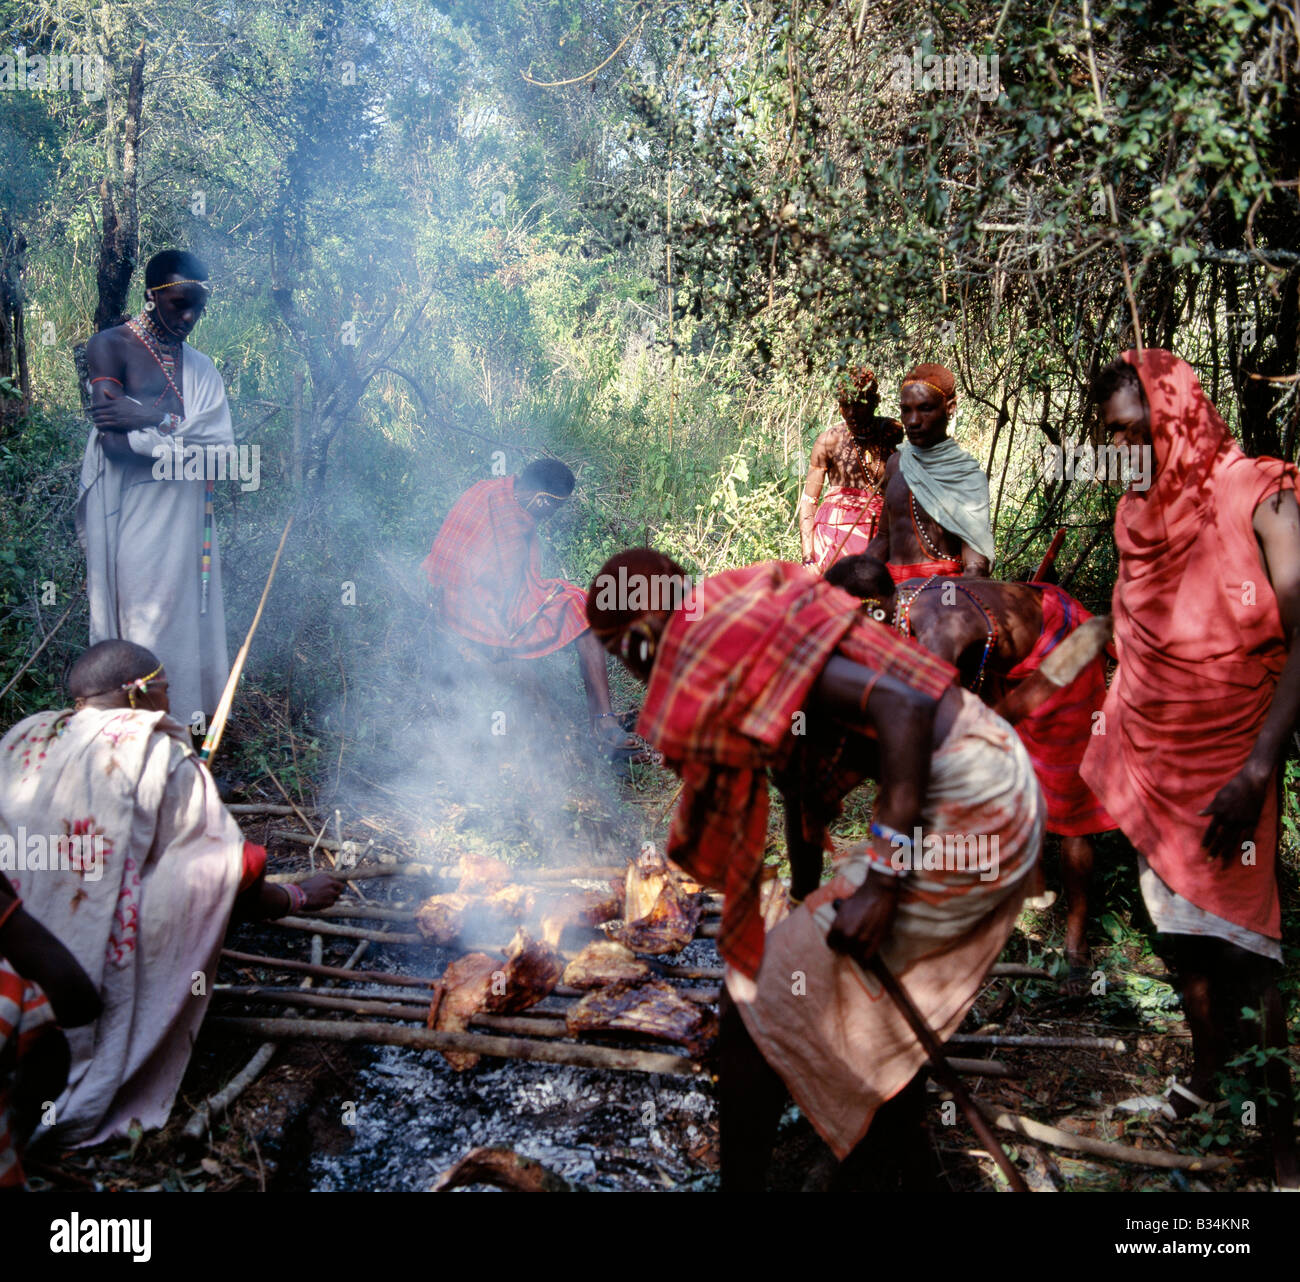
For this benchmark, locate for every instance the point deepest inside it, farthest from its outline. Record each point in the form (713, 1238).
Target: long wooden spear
(222, 714)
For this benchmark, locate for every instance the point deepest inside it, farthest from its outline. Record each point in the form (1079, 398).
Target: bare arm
(112, 411)
(39, 956)
(812, 491)
(903, 720)
(1235, 808)
(974, 565)
(262, 901)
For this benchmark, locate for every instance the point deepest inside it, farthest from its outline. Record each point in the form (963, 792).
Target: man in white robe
(161, 421)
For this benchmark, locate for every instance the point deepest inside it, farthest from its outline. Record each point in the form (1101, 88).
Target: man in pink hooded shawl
(1207, 620)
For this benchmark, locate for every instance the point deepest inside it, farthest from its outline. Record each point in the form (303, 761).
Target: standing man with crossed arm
(152, 566)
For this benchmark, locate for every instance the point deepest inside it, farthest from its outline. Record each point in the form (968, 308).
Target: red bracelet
(9, 912)
(106, 378)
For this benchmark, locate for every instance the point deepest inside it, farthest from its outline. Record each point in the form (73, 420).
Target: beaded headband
(140, 685)
(171, 284)
(926, 383)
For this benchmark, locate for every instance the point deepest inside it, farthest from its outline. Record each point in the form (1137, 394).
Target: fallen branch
(259, 808)
(49, 636)
(579, 1056)
(569, 872)
(349, 932)
(1043, 1134)
(320, 1001)
(365, 912)
(328, 972)
(1041, 1043)
(1015, 970)
(217, 1105)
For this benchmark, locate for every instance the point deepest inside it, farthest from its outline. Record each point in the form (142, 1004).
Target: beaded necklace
(903, 621)
(166, 353)
(862, 461)
(161, 349)
(921, 537)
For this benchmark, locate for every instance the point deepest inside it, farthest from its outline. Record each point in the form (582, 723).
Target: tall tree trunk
(13, 339)
(120, 243)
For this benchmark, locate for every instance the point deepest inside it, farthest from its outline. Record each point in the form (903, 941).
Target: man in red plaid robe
(485, 569)
(1019, 624)
(770, 666)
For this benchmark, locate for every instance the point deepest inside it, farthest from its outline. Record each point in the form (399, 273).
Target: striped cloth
(25, 1016)
(823, 1023)
(845, 523)
(729, 678)
(1057, 733)
(486, 560)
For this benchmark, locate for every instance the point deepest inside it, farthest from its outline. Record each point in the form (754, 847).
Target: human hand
(863, 920)
(321, 890)
(121, 414)
(1235, 811)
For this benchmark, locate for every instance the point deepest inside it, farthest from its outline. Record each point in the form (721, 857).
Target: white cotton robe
(144, 910)
(143, 540)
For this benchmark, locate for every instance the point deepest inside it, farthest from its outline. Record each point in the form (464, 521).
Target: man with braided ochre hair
(849, 458)
(153, 570)
(771, 667)
(936, 517)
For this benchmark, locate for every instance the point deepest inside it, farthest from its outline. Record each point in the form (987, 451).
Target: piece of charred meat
(440, 918)
(467, 984)
(604, 962)
(478, 982)
(647, 875)
(658, 915)
(532, 970)
(649, 1007)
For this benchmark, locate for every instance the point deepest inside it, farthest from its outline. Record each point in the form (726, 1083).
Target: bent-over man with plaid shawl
(771, 667)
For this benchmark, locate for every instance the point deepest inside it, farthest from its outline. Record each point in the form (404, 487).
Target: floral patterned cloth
(114, 835)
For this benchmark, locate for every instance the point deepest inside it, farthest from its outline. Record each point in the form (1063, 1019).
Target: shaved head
(106, 667)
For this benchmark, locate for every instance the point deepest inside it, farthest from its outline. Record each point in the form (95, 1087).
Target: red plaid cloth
(720, 706)
(487, 562)
(25, 1016)
(1057, 733)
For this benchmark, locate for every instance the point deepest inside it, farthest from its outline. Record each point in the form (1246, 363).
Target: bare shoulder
(891, 464)
(1278, 514)
(106, 350)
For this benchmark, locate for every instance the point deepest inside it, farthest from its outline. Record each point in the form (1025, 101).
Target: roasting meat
(532, 970)
(649, 1007)
(444, 919)
(659, 916)
(647, 875)
(584, 908)
(467, 984)
(440, 917)
(604, 962)
(478, 982)
(481, 874)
